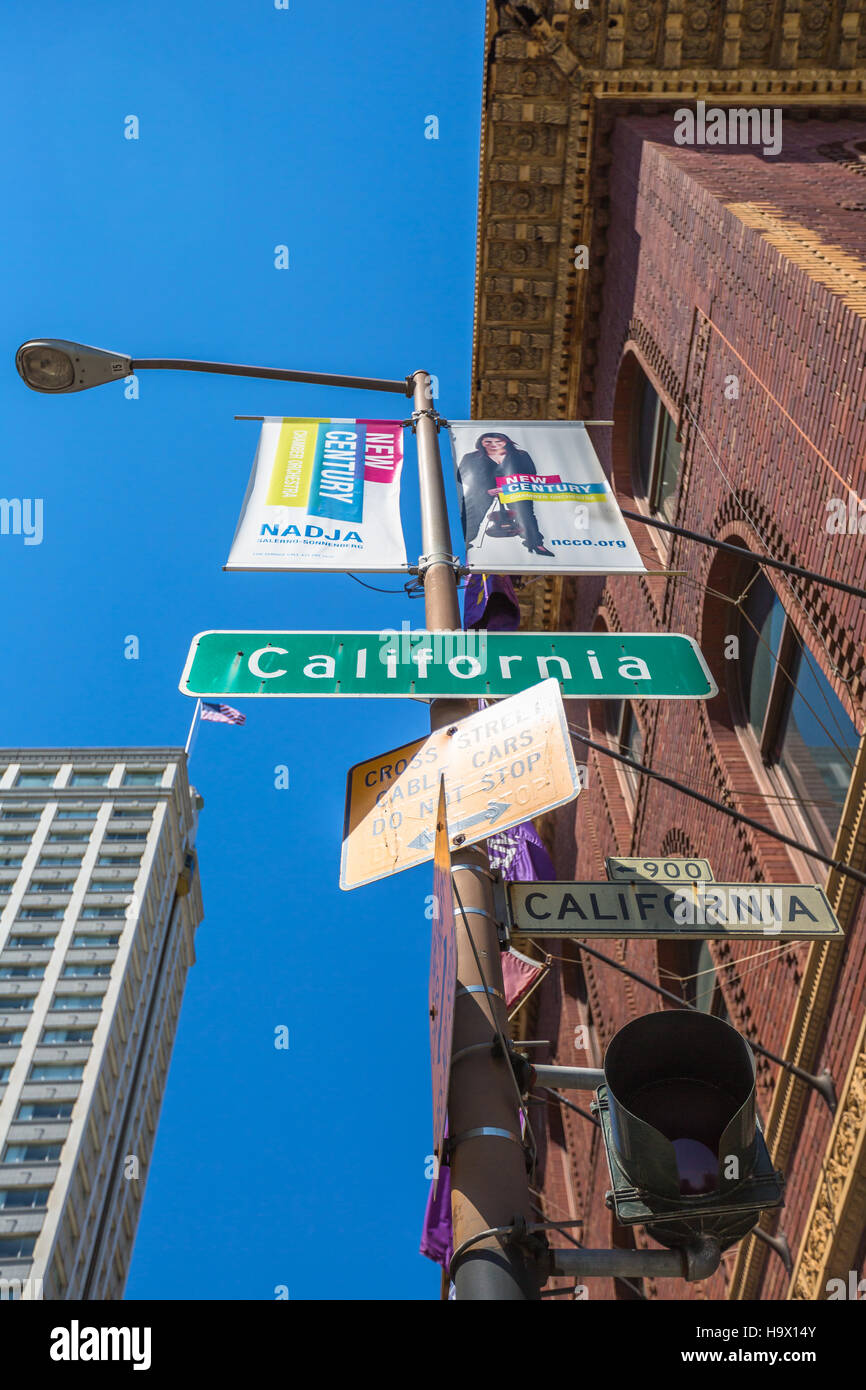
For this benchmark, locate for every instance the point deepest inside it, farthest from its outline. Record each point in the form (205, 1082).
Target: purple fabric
(437, 1237)
(489, 601)
(520, 855)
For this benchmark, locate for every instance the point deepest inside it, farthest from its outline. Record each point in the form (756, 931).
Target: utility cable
(811, 575)
(683, 1004)
(839, 865)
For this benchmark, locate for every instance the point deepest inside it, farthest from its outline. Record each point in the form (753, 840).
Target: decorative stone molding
(803, 1040)
(835, 1223)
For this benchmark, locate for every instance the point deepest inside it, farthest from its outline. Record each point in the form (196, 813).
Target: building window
(45, 1110)
(806, 740)
(10, 1037)
(23, 1198)
(656, 452)
(8, 837)
(68, 837)
(111, 885)
(8, 1002)
(89, 779)
(687, 969)
(706, 992)
(7, 863)
(74, 1036)
(49, 885)
(59, 861)
(91, 940)
(32, 943)
(126, 835)
(125, 860)
(35, 779)
(87, 813)
(77, 1001)
(142, 779)
(32, 1153)
(21, 972)
(20, 813)
(626, 737)
(57, 1071)
(41, 914)
(109, 913)
(82, 972)
(16, 1247)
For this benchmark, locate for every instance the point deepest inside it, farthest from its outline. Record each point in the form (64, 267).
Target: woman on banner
(497, 456)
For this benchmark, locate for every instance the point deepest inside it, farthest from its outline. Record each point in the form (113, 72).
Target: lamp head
(55, 366)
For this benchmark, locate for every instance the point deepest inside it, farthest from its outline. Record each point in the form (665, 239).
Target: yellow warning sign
(501, 766)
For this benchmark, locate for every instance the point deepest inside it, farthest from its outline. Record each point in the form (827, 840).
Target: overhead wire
(841, 866)
(683, 1004)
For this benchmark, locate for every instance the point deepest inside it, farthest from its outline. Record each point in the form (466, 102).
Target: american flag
(222, 714)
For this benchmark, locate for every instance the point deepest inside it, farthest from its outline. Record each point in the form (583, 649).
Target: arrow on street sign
(493, 812)
(669, 870)
(501, 766)
(423, 841)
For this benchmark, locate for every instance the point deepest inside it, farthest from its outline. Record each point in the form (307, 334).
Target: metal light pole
(489, 1185)
(489, 1181)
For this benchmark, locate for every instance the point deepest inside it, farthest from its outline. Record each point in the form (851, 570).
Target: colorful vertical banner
(323, 494)
(534, 499)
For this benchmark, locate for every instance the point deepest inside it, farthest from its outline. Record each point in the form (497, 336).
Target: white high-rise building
(100, 901)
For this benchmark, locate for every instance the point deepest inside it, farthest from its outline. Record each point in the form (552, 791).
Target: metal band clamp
(484, 1132)
(480, 989)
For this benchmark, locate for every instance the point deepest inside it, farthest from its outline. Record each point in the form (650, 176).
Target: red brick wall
(676, 241)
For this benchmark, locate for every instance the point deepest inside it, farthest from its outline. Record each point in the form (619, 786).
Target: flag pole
(193, 728)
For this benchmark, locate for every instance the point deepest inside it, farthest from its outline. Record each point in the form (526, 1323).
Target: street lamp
(489, 1186)
(53, 365)
(56, 367)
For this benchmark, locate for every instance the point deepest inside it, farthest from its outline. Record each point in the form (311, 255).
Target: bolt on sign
(443, 978)
(501, 766)
(434, 665)
(694, 911)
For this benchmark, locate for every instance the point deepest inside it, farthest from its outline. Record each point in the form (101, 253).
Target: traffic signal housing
(677, 1111)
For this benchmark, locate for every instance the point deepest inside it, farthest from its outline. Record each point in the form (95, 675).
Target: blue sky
(258, 127)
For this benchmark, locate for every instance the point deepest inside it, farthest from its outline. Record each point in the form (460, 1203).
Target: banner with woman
(534, 499)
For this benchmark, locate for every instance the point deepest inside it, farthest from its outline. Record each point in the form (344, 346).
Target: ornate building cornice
(556, 79)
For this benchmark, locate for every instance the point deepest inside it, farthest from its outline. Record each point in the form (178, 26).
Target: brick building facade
(721, 324)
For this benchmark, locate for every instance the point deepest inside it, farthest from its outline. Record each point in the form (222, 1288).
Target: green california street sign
(432, 665)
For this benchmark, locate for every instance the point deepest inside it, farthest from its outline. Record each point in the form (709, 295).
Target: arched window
(686, 968)
(627, 738)
(706, 992)
(806, 739)
(656, 451)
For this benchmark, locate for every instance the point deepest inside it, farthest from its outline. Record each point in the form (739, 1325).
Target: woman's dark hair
(493, 434)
